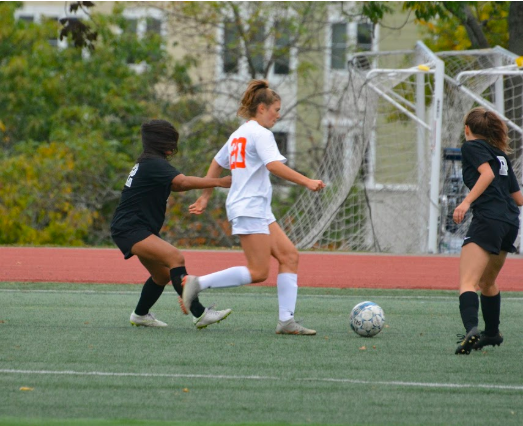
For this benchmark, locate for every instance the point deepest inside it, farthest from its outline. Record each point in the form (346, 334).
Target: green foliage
(36, 197)
(443, 22)
(375, 10)
(69, 127)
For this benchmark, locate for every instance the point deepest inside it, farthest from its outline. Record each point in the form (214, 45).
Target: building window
(339, 46)
(26, 18)
(231, 53)
(153, 25)
(282, 139)
(282, 51)
(132, 26)
(52, 41)
(257, 47)
(364, 36)
(42, 13)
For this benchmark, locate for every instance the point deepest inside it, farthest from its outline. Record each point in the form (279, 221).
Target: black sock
(491, 308)
(197, 309)
(469, 307)
(151, 292)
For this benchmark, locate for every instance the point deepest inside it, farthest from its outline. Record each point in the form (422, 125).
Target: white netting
(488, 78)
(392, 160)
(376, 161)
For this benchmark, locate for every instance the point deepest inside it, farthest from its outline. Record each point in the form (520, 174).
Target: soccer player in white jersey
(251, 154)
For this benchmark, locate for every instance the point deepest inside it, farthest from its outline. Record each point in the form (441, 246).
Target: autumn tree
(70, 126)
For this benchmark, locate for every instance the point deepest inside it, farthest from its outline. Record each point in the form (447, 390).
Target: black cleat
(485, 340)
(466, 343)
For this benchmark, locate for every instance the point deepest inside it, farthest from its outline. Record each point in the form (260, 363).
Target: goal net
(392, 161)
(490, 78)
(383, 130)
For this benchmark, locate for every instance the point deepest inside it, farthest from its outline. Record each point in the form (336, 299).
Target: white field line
(266, 378)
(232, 293)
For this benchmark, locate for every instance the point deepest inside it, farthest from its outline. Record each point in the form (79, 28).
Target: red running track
(86, 265)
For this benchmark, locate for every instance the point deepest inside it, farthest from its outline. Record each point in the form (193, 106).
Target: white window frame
(243, 66)
(41, 11)
(141, 14)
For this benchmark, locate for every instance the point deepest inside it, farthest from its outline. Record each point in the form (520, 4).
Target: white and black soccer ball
(367, 319)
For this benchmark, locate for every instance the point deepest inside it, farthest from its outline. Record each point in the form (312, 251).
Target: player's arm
(486, 176)
(279, 169)
(200, 204)
(185, 183)
(518, 198)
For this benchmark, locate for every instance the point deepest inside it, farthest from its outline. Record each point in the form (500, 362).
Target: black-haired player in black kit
(140, 215)
(494, 198)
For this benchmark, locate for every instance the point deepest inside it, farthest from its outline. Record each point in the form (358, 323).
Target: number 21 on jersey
(237, 156)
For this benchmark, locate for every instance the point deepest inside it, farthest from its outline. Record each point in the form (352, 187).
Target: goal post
(385, 126)
(391, 159)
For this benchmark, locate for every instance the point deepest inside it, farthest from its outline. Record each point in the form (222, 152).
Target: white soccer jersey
(246, 153)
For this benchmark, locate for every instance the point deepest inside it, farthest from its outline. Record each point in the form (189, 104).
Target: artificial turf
(68, 355)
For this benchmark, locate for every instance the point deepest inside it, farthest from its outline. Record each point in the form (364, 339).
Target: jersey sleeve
(267, 148)
(162, 172)
(476, 154)
(222, 157)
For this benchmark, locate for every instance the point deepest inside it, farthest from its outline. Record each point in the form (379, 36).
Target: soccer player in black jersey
(494, 199)
(140, 215)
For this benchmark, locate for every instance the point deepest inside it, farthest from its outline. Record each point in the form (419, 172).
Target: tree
(69, 128)
(484, 24)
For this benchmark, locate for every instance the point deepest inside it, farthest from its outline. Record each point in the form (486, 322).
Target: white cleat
(292, 327)
(210, 316)
(146, 321)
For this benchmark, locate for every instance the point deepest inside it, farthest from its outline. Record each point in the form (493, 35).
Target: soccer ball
(367, 319)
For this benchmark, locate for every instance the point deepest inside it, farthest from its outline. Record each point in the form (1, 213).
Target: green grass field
(68, 356)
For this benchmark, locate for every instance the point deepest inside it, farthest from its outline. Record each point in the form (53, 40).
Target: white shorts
(243, 225)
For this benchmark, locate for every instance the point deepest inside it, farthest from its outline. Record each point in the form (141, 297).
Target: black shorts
(126, 240)
(492, 235)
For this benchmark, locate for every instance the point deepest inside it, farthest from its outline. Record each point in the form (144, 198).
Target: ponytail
(257, 93)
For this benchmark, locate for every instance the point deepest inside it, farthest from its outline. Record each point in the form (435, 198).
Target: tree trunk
(515, 28)
(474, 30)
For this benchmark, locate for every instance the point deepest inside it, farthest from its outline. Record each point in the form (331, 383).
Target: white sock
(232, 277)
(287, 294)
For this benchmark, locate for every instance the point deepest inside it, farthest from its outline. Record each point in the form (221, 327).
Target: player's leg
(490, 299)
(473, 261)
(284, 251)
(256, 245)
(165, 263)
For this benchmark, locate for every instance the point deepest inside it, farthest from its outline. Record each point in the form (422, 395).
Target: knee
(290, 259)
(259, 275)
(487, 286)
(174, 259)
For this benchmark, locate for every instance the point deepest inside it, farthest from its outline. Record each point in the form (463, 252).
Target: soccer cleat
(485, 340)
(191, 288)
(292, 327)
(211, 316)
(146, 321)
(466, 343)
(182, 306)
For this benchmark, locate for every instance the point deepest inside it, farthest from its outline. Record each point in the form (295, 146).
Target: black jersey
(144, 197)
(496, 201)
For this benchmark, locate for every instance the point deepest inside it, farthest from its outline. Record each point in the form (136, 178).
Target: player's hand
(459, 212)
(315, 185)
(226, 181)
(199, 206)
